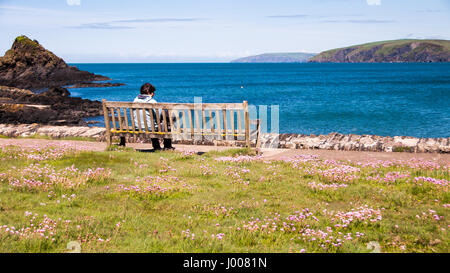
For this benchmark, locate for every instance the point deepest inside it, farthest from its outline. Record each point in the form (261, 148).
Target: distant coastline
(277, 58)
(396, 51)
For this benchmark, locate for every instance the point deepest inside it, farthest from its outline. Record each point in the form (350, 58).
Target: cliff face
(389, 51)
(29, 65)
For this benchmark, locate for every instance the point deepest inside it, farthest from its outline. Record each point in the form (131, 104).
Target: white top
(145, 99)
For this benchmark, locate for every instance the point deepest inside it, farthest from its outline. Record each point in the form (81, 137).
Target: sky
(102, 31)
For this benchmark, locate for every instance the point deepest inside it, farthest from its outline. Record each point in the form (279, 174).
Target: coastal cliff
(29, 65)
(398, 51)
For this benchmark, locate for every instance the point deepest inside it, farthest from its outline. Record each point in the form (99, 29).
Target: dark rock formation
(29, 65)
(389, 51)
(54, 107)
(95, 84)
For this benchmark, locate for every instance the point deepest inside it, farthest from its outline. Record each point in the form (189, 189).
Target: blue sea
(380, 99)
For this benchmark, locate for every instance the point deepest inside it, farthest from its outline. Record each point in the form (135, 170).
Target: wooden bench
(185, 121)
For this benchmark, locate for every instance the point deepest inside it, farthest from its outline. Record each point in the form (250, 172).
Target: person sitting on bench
(146, 95)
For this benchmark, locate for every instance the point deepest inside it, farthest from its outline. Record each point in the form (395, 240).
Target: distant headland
(276, 58)
(397, 51)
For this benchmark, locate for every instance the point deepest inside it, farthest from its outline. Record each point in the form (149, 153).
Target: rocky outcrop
(27, 130)
(333, 141)
(53, 107)
(29, 65)
(95, 84)
(389, 51)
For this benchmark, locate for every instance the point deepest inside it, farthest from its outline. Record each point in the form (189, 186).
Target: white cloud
(373, 2)
(73, 2)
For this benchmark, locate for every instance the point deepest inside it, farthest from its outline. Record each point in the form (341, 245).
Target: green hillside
(408, 50)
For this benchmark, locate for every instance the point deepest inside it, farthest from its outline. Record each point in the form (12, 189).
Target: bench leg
(108, 140)
(122, 141)
(258, 135)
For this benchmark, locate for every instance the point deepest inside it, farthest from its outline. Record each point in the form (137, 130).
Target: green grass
(26, 41)
(232, 152)
(155, 223)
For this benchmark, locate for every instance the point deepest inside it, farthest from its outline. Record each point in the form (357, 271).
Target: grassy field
(127, 201)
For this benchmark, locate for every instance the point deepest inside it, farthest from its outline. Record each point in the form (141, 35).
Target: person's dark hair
(147, 88)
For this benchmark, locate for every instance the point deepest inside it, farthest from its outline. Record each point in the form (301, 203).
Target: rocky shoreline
(333, 141)
(53, 107)
(351, 142)
(56, 132)
(94, 84)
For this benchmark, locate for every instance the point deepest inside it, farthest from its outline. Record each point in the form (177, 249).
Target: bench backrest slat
(197, 122)
(138, 119)
(144, 117)
(119, 116)
(178, 117)
(204, 121)
(113, 115)
(127, 126)
(239, 121)
(191, 123)
(152, 121)
(219, 131)
(225, 127)
(211, 121)
(158, 121)
(183, 116)
(166, 120)
(247, 123)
